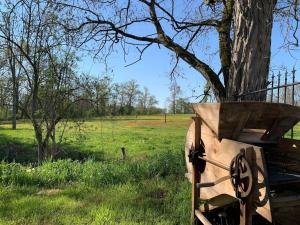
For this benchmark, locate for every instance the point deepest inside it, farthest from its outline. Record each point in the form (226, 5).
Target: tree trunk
(15, 91)
(54, 146)
(39, 139)
(15, 105)
(251, 50)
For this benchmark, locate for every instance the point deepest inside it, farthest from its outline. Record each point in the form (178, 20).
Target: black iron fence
(282, 87)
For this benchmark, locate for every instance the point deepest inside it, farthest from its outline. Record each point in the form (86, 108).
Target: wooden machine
(238, 161)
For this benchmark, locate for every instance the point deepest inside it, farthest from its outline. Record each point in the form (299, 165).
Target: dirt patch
(158, 123)
(157, 194)
(145, 123)
(49, 192)
(139, 158)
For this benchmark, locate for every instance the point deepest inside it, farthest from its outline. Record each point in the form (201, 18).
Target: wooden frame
(224, 129)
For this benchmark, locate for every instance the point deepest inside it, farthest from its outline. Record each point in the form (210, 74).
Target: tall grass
(90, 172)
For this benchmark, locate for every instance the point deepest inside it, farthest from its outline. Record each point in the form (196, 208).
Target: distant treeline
(94, 97)
(103, 97)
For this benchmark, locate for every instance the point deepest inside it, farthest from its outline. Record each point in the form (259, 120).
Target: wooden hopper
(242, 142)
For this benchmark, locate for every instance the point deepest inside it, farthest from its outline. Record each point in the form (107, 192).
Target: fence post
(272, 90)
(285, 83)
(293, 97)
(123, 153)
(293, 86)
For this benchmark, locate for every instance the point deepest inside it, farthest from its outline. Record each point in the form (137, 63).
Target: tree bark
(39, 139)
(15, 91)
(251, 50)
(15, 102)
(15, 107)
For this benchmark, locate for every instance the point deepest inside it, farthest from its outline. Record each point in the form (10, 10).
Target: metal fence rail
(286, 90)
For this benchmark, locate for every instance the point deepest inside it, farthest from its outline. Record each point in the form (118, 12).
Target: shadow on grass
(14, 150)
(9, 128)
(70, 152)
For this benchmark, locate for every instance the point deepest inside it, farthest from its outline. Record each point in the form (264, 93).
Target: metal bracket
(195, 157)
(211, 184)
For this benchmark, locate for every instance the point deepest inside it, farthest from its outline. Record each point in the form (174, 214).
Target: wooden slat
(190, 137)
(285, 201)
(285, 155)
(280, 126)
(240, 125)
(223, 118)
(253, 136)
(287, 215)
(202, 218)
(195, 172)
(247, 208)
(219, 201)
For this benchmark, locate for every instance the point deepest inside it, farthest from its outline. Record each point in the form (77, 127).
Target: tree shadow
(67, 151)
(15, 150)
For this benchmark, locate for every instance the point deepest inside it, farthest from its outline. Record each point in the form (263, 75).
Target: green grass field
(94, 185)
(147, 188)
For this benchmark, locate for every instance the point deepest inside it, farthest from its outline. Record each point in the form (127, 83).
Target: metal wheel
(241, 176)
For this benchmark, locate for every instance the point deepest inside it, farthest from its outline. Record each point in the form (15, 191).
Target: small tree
(131, 92)
(102, 92)
(146, 102)
(47, 64)
(175, 91)
(183, 106)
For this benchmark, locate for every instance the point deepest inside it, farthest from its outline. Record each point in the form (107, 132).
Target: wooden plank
(202, 218)
(223, 118)
(246, 207)
(285, 201)
(287, 215)
(244, 116)
(190, 137)
(289, 144)
(195, 172)
(216, 202)
(261, 185)
(209, 114)
(280, 126)
(197, 136)
(253, 136)
(286, 149)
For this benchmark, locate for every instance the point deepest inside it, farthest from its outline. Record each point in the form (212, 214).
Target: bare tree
(10, 55)
(151, 105)
(243, 34)
(183, 106)
(132, 92)
(143, 100)
(102, 91)
(4, 96)
(146, 101)
(175, 91)
(47, 62)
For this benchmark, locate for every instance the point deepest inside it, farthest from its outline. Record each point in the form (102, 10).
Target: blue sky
(153, 70)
